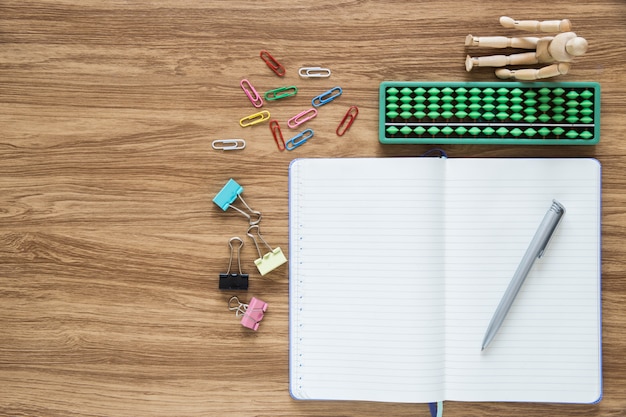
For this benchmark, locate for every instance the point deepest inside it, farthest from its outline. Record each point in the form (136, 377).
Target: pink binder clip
(251, 313)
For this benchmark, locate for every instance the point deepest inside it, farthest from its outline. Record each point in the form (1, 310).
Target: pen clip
(558, 210)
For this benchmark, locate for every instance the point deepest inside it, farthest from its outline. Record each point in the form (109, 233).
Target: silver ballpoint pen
(535, 250)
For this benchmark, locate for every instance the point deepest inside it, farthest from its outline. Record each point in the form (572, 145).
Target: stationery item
(251, 314)
(425, 247)
(277, 134)
(282, 92)
(326, 97)
(513, 113)
(272, 63)
(234, 280)
(272, 259)
(301, 118)
(227, 196)
(251, 92)
(347, 120)
(535, 250)
(314, 72)
(254, 119)
(298, 140)
(228, 144)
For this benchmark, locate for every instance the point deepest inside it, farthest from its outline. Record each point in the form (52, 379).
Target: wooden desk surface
(110, 245)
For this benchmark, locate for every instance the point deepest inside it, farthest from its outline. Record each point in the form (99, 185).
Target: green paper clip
(282, 92)
(272, 259)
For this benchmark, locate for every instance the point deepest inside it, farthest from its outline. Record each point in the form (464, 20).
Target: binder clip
(272, 259)
(228, 194)
(234, 281)
(251, 313)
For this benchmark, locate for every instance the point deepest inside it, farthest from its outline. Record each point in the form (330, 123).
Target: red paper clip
(252, 94)
(272, 63)
(347, 120)
(278, 135)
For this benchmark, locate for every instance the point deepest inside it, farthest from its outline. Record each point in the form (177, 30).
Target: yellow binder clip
(272, 259)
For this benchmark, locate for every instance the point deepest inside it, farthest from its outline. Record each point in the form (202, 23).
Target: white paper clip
(314, 72)
(272, 259)
(228, 144)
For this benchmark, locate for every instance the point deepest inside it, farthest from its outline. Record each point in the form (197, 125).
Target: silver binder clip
(272, 259)
(228, 144)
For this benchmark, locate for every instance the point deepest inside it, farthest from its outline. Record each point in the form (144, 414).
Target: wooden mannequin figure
(558, 51)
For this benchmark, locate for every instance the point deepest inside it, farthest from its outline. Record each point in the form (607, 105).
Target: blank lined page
(366, 283)
(549, 346)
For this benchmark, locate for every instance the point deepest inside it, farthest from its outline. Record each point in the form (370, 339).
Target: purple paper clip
(252, 94)
(302, 117)
(251, 313)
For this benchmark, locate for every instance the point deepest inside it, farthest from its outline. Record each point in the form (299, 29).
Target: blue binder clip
(234, 281)
(228, 194)
(272, 259)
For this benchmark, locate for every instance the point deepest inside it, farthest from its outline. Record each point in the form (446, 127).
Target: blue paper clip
(299, 139)
(272, 259)
(228, 194)
(326, 97)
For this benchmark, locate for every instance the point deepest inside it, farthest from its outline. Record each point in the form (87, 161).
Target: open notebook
(398, 264)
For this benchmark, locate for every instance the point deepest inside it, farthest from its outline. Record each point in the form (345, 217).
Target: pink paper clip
(251, 313)
(278, 135)
(272, 63)
(302, 117)
(252, 94)
(347, 120)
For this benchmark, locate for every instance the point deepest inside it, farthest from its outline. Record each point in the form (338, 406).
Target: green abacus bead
(475, 99)
(488, 131)
(433, 114)
(406, 91)
(460, 130)
(530, 119)
(434, 99)
(586, 94)
(558, 91)
(516, 117)
(489, 107)
(420, 130)
(433, 130)
(502, 91)
(420, 99)
(572, 95)
(406, 99)
(530, 110)
(406, 130)
(392, 130)
(502, 99)
(392, 114)
(586, 119)
(502, 131)
(530, 102)
(488, 116)
(433, 91)
(447, 130)
(530, 93)
(447, 91)
(558, 110)
(517, 132)
(447, 106)
(530, 132)
(447, 99)
(474, 131)
(420, 91)
(461, 91)
(474, 91)
(474, 115)
(419, 114)
(558, 131)
(517, 100)
(516, 92)
(558, 117)
(544, 118)
(544, 91)
(572, 119)
(447, 115)
(392, 106)
(586, 134)
(489, 91)
(502, 115)
(434, 107)
(517, 108)
(461, 114)
(461, 99)
(392, 99)
(406, 107)
(419, 107)
(572, 103)
(544, 131)
(544, 99)
(406, 114)
(392, 91)
(586, 103)
(460, 106)
(544, 107)
(572, 134)
(572, 112)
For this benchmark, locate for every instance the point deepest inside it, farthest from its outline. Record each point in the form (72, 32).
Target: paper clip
(347, 120)
(272, 259)
(254, 118)
(281, 92)
(251, 313)
(278, 135)
(228, 194)
(234, 281)
(272, 63)
(252, 94)
(326, 97)
(302, 117)
(299, 139)
(228, 144)
(314, 72)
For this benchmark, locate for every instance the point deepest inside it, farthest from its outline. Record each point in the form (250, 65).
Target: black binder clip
(234, 281)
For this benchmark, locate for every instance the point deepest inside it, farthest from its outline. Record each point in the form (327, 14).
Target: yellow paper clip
(255, 118)
(272, 259)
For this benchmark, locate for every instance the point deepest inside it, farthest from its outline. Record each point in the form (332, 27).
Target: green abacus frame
(484, 123)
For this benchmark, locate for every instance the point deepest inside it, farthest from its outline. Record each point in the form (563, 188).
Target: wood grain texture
(110, 245)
